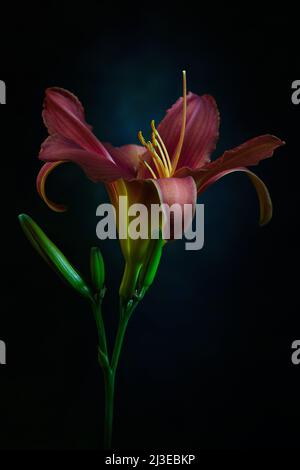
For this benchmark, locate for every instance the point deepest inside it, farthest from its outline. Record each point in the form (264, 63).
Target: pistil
(183, 125)
(157, 149)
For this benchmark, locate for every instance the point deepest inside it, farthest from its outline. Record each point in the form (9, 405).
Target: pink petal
(201, 134)
(96, 167)
(143, 173)
(63, 114)
(248, 154)
(178, 191)
(127, 157)
(265, 202)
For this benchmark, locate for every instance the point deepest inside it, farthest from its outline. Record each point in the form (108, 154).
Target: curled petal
(63, 114)
(40, 185)
(201, 132)
(265, 202)
(96, 167)
(248, 154)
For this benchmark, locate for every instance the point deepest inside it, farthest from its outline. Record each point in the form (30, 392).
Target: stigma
(164, 166)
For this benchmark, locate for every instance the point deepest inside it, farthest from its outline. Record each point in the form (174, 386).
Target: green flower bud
(53, 256)
(150, 266)
(97, 269)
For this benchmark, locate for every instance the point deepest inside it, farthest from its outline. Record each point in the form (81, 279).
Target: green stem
(109, 381)
(110, 373)
(97, 311)
(124, 318)
(109, 376)
(109, 369)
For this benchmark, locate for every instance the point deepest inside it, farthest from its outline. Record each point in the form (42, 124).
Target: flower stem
(109, 381)
(97, 311)
(124, 318)
(109, 376)
(110, 372)
(109, 368)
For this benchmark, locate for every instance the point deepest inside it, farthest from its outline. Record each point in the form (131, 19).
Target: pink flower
(174, 166)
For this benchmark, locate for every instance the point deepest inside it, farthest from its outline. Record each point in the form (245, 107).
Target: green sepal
(97, 269)
(129, 280)
(53, 256)
(150, 266)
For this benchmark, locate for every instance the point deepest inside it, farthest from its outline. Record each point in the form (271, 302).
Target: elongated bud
(53, 256)
(149, 268)
(97, 269)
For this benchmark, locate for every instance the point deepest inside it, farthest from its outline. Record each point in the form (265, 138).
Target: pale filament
(159, 165)
(150, 169)
(161, 146)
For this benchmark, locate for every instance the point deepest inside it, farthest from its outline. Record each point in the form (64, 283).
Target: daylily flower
(173, 167)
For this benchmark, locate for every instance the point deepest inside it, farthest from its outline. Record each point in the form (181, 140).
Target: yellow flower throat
(165, 167)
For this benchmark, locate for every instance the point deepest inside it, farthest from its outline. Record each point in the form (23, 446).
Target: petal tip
(265, 219)
(40, 185)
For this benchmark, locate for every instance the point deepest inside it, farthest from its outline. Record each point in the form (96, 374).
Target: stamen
(162, 149)
(150, 169)
(154, 141)
(163, 158)
(162, 155)
(141, 139)
(157, 160)
(180, 142)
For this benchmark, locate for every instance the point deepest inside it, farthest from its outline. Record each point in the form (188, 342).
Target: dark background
(207, 358)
